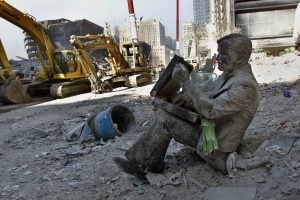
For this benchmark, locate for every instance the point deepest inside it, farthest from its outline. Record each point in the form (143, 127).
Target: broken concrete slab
(155, 179)
(75, 133)
(251, 163)
(230, 193)
(159, 180)
(282, 144)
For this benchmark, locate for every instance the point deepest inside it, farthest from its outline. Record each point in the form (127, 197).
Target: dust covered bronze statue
(230, 107)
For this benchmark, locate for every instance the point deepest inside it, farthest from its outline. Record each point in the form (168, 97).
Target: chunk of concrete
(283, 142)
(230, 193)
(251, 163)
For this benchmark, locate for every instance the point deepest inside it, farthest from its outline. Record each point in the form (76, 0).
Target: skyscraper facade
(189, 41)
(152, 32)
(201, 10)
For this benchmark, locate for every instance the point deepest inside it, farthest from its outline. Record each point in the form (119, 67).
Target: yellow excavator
(119, 72)
(60, 73)
(11, 88)
(127, 68)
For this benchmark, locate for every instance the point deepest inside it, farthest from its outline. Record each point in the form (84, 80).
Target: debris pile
(38, 163)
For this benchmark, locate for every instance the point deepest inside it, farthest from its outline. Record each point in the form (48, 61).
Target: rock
(280, 144)
(261, 180)
(255, 162)
(45, 153)
(155, 179)
(158, 180)
(97, 148)
(73, 135)
(114, 179)
(74, 184)
(22, 167)
(140, 190)
(274, 148)
(44, 178)
(230, 193)
(9, 188)
(76, 150)
(57, 173)
(27, 173)
(1, 152)
(200, 184)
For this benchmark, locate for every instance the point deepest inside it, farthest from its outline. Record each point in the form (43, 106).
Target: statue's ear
(242, 59)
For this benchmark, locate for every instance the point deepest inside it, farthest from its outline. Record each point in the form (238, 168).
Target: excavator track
(66, 89)
(139, 79)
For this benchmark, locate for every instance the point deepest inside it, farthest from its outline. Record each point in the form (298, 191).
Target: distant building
(189, 42)
(152, 31)
(112, 31)
(59, 31)
(269, 24)
(170, 43)
(115, 32)
(201, 9)
(125, 32)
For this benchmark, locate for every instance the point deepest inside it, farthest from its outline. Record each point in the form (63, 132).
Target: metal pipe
(130, 6)
(177, 26)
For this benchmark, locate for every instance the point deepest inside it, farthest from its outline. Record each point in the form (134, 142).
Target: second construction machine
(127, 62)
(126, 68)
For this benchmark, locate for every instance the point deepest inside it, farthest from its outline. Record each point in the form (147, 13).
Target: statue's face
(228, 59)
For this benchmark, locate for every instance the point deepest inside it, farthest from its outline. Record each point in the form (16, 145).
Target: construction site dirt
(37, 162)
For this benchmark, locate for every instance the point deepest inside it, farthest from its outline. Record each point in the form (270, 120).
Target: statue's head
(234, 51)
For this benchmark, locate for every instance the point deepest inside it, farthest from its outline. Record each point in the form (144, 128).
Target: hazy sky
(98, 11)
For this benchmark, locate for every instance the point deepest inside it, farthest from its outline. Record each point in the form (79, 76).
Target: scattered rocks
(159, 180)
(43, 179)
(76, 150)
(40, 163)
(45, 153)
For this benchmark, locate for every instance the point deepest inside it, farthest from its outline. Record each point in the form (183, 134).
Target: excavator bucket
(13, 92)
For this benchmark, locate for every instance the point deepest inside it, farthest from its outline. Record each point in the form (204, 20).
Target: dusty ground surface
(38, 163)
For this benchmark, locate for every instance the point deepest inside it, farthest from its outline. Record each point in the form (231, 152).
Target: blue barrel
(114, 121)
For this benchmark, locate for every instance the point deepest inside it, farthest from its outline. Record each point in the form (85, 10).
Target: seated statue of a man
(231, 106)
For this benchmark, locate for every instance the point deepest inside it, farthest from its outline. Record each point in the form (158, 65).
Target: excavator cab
(131, 53)
(66, 62)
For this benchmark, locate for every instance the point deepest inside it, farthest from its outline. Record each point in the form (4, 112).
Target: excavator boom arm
(35, 30)
(4, 63)
(86, 64)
